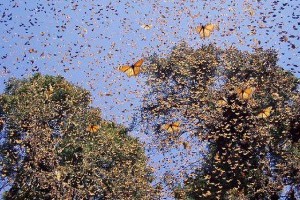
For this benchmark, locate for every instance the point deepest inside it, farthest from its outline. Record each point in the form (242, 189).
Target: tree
(55, 146)
(244, 106)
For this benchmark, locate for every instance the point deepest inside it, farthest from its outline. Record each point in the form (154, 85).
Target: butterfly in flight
(172, 128)
(265, 112)
(132, 70)
(206, 30)
(246, 93)
(146, 26)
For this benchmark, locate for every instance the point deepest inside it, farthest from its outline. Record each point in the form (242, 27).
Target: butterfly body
(132, 70)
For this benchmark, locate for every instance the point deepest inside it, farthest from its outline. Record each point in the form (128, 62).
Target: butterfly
(208, 193)
(265, 112)
(172, 128)
(186, 145)
(206, 30)
(222, 102)
(217, 158)
(146, 26)
(245, 94)
(93, 128)
(132, 70)
(32, 51)
(58, 175)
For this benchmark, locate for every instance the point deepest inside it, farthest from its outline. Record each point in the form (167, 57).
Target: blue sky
(86, 41)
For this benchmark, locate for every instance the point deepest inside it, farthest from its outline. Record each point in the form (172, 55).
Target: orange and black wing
(175, 127)
(127, 70)
(137, 67)
(133, 70)
(200, 30)
(205, 31)
(265, 112)
(245, 94)
(210, 27)
(93, 128)
(166, 127)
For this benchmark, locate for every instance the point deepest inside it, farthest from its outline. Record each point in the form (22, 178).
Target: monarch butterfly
(92, 128)
(245, 94)
(222, 102)
(146, 26)
(132, 70)
(206, 30)
(265, 112)
(172, 128)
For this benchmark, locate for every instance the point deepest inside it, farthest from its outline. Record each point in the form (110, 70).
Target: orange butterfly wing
(127, 69)
(222, 102)
(93, 128)
(248, 92)
(245, 94)
(137, 67)
(239, 92)
(171, 128)
(175, 127)
(166, 127)
(210, 27)
(89, 128)
(206, 33)
(124, 68)
(146, 26)
(265, 112)
(200, 30)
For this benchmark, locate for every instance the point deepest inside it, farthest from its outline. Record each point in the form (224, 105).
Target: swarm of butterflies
(135, 69)
(243, 93)
(243, 110)
(205, 30)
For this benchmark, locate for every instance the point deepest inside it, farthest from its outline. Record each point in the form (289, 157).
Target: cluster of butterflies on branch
(245, 94)
(242, 93)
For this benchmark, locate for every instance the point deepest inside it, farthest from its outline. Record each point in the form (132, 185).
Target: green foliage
(49, 151)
